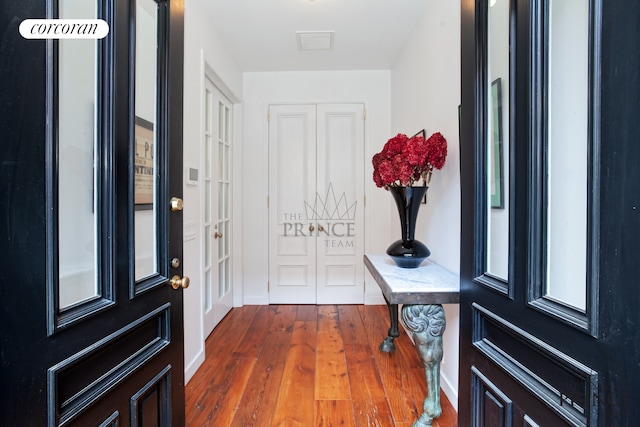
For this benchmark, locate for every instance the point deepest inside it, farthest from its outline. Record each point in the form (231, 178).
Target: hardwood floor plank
(331, 382)
(328, 318)
(351, 327)
(368, 397)
(307, 313)
(251, 340)
(402, 389)
(258, 401)
(370, 405)
(295, 403)
(230, 331)
(218, 399)
(332, 413)
(284, 318)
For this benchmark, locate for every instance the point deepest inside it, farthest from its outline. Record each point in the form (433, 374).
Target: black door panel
(528, 357)
(116, 357)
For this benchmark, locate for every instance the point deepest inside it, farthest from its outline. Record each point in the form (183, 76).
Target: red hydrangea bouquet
(405, 161)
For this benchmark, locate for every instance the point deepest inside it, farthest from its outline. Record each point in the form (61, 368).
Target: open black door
(550, 213)
(90, 221)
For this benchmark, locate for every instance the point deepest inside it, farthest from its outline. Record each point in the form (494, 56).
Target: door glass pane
(207, 156)
(207, 243)
(497, 149)
(77, 150)
(207, 290)
(226, 239)
(207, 111)
(146, 136)
(207, 201)
(221, 276)
(567, 150)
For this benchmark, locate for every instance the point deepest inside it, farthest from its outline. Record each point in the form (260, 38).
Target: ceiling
(261, 34)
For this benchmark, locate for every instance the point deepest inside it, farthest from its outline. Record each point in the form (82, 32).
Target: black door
(90, 235)
(550, 213)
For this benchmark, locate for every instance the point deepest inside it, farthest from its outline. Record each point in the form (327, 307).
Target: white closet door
(316, 212)
(292, 171)
(340, 207)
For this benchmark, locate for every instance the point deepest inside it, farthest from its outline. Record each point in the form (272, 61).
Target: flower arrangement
(404, 161)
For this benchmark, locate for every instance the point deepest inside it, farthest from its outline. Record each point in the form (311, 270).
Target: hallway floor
(308, 365)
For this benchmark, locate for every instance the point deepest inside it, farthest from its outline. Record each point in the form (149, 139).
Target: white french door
(316, 208)
(218, 295)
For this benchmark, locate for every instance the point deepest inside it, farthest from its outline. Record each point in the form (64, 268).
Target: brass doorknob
(311, 228)
(179, 282)
(176, 204)
(320, 228)
(217, 235)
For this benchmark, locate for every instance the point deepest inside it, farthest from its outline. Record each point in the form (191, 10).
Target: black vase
(408, 252)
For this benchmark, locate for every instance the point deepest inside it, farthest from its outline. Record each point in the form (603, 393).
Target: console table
(422, 291)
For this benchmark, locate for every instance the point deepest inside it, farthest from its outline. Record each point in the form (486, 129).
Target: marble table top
(428, 284)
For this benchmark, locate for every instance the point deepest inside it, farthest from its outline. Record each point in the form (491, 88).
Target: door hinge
(268, 286)
(269, 115)
(364, 114)
(267, 202)
(365, 200)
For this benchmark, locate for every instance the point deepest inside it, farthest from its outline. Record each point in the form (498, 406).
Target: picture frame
(422, 133)
(495, 147)
(144, 164)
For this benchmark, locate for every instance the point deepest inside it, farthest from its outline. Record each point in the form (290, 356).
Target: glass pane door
(217, 140)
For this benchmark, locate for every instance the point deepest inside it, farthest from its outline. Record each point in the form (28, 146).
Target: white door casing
(217, 141)
(316, 209)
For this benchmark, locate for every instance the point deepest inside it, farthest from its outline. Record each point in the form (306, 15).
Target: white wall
(425, 93)
(202, 45)
(262, 89)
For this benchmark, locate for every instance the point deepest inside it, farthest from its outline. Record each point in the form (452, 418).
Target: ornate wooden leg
(426, 324)
(387, 345)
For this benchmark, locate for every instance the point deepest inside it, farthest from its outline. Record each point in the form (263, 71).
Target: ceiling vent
(315, 40)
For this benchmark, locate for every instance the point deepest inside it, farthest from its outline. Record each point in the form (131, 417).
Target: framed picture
(495, 147)
(422, 133)
(144, 165)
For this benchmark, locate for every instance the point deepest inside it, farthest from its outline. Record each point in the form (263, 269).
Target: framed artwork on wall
(144, 164)
(422, 133)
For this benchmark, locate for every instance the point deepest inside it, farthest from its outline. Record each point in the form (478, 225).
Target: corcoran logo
(64, 28)
(328, 216)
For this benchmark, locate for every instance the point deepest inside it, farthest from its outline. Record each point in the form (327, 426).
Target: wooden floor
(307, 365)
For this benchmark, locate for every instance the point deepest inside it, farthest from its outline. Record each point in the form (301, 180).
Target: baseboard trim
(450, 391)
(192, 367)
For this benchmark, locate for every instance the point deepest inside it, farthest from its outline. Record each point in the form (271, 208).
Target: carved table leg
(387, 345)
(426, 324)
